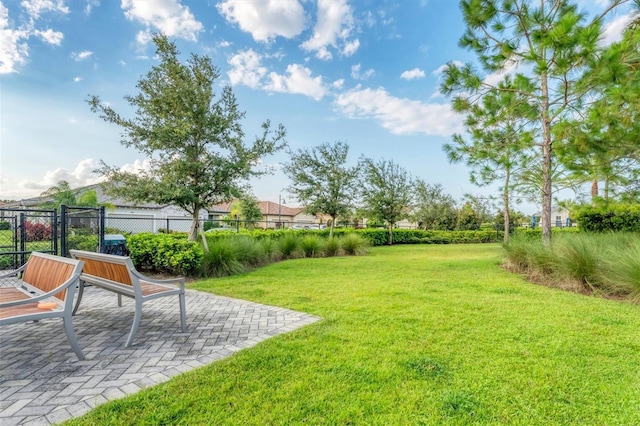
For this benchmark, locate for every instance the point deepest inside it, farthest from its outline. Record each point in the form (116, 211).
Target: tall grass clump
(623, 268)
(271, 249)
(221, 260)
(517, 251)
(332, 247)
(580, 257)
(249, 251)
(311, 245)
(354, 244)
(290, 246)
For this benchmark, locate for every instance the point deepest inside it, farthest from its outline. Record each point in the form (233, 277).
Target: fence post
(54, 230)
(167, 225)
(101, 226)
(63, 230)
(23, 238)
(237, 224)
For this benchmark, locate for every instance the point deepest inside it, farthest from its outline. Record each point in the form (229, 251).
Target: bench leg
(136, 322)
(80, 292)
(119, 300)
(68, 328)
(183, 314)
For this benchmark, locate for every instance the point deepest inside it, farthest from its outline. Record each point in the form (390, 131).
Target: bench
(45, 290)
(117, 274)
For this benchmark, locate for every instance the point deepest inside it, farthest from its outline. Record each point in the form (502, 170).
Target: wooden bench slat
(45, 278)
(117, 274)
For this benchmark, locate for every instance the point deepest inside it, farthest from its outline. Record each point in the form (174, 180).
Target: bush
(221, 260)
(37, 231)
(354, 244)
(249, 251)
(332, 247)
(4, 225)
(609, 218)
(170, 253)
(311, 245)
(289, 246)
(82, 242)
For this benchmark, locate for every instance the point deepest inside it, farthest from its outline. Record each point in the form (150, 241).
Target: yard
(414, 334)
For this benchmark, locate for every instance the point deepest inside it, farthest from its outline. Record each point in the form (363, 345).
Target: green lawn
(417, 334)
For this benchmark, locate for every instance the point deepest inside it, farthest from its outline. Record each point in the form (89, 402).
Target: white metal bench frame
(96, 272)
(41, 290)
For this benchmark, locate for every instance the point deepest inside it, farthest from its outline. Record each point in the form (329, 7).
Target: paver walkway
(42, 381)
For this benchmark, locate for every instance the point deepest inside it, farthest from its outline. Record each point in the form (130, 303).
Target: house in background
(560, 218)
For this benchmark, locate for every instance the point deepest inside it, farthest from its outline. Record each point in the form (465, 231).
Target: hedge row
(609, 218)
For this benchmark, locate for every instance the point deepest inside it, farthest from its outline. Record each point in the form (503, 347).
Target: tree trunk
(333, 221)
(545, 220)
(195, 227)
(505, 201)
(390, 228)
(594, 191)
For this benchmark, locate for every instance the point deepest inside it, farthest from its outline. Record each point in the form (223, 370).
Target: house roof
(267, 208)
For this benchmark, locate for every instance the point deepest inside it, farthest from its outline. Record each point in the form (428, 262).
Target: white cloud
(612, 31)
(81, 175)
(137, 166)
(81, 56)
(90, 5)
(399, 116)
(355, 72)
(333, 29)
(265, 19)
(77, 79)
(50, 36)
(413, 74)
(13, 47)
(35, 7)
(167, 16)
(297, 80)
(246, 68)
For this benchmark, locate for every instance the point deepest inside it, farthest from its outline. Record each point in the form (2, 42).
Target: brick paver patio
(42, 381)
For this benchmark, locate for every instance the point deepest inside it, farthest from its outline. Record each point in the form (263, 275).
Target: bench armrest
(13, 273)
(73, 280)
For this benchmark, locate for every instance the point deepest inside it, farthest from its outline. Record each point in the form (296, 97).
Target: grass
(422, 334)
(607, 264)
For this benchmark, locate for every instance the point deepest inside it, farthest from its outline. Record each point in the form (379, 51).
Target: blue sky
(361, 71)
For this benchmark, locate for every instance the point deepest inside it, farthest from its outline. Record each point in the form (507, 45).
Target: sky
(365, 72)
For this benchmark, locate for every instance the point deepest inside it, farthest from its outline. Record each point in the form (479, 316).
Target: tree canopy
(322, 180)
(192, 137)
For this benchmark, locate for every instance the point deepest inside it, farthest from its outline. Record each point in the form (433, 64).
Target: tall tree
(434, 208)
(322, 181)
(603, 144)
(387, 192)
(547, 43)
(500, 140)
(194, 140)
(250, 211)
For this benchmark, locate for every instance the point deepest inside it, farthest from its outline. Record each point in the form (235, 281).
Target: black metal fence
(24, 231)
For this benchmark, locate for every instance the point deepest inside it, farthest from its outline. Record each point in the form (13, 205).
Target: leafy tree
(250, 211)
(322, 181)
(468, 219)
(500, 143)
(63, 194)
(386, 193)
(603, 144)
(548, 44)
(194, 140)
(433, 208)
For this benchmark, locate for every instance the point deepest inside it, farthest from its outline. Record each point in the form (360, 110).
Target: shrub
(82, 242)
(171, 253)
(610, 217)
(289, 246)
(221, 260)
(311, 245)
(37, 231)
(4, 225)
(332, 247)
(578, 257)
(248, 251)
(271, 249)
(354, 244)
